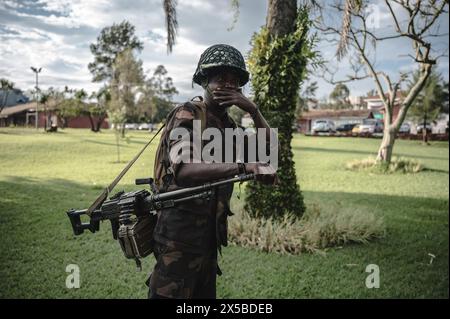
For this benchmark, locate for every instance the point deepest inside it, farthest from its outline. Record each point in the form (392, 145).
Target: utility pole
(37, 71)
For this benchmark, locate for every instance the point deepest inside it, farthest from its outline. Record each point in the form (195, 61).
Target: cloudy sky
(56, 34)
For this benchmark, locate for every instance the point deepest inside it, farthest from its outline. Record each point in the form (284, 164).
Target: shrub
(316, 230)
(397, 164)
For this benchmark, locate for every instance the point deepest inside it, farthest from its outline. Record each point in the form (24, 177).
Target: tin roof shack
(339, 117)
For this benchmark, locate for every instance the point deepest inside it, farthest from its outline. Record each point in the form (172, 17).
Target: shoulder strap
(164, 175)
(201, 108)
(109, 189)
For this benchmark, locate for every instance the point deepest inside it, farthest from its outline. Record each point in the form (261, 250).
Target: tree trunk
(281, 16)
(45, 119)
(122, 130)
(99, 123)
(424, 130)
(387, 145)
(118, 146)
(277, 104)
(91, 120)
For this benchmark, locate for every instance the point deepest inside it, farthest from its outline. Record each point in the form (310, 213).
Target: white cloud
(61, 6)
(56, 34)
(11, 4)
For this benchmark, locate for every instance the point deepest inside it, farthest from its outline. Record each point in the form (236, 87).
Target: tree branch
(415, 90)
(397, 25)
(371, 71)
(433, 20)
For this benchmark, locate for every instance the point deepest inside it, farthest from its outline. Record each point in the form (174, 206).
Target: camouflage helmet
(220, 55)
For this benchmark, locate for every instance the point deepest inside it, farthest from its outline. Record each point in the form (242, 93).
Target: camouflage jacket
(198, 225)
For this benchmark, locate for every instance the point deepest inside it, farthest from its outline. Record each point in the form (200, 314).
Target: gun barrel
(198, 189)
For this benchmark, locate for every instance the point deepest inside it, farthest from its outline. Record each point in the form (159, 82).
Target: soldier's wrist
(254, 113)
(241, 168)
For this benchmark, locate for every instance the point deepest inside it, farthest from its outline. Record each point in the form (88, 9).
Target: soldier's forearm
(190, 174)
(260, 122)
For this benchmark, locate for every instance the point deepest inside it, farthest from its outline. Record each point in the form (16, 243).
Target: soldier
(188, 236)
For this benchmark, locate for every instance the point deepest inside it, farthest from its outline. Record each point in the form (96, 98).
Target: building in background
(25, 115)
(357, 102)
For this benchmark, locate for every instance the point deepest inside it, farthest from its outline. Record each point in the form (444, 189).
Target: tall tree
(127, 77)
(145, 104)
(278, 60)
(66, 107)
(110, 43)
(97, 110)
(164, 90)
(155, 96)
(307, 94)
(162, 84)
(340, 96)
(430, 101)
(414, 21)
(72, 104)
(162, 109)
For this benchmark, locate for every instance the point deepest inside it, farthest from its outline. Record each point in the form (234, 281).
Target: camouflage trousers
(182, 275)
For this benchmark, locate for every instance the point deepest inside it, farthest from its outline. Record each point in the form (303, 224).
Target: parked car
(322, 126)
(371, 126)
(145, 126)
(345, 128)
(355, 130)
(131, 126)
(405, 128)
(420, 128)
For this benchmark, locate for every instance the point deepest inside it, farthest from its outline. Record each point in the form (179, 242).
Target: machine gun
(133, 214)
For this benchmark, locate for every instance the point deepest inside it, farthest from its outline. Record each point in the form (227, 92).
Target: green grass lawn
(42, 175)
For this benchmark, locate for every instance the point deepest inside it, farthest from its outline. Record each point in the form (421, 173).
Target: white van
(322, 126)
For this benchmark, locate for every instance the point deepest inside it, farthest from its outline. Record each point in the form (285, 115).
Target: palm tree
(171, 22)
(349, 6)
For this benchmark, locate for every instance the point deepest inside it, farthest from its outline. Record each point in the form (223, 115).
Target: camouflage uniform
(189, 235)
(179, 274)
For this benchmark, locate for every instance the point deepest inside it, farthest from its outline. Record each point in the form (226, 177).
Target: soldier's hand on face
(263, 172)
(227, 97)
